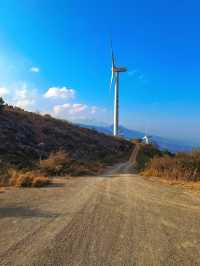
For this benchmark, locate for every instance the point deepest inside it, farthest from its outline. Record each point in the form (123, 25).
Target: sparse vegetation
(182, 166)
(28, 179)
(60, 163)
(145, 154)
(56, 163)
(2, 190)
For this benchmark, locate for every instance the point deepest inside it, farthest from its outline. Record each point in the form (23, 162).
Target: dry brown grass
(2, 190)
(56, 164)
(60, 163)
(181, 167)
(86, 168)
(145, 154)
(28, 179)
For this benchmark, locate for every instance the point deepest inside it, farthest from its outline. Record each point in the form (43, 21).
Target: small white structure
(147, 139)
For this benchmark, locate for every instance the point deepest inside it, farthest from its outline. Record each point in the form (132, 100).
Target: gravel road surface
(115, 219)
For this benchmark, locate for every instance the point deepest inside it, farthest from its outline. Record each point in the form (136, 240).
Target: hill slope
(26, 136)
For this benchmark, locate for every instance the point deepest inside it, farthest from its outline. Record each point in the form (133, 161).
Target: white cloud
(78, 107)
(60, 92)
(77, 111)
(24, 96)
(69, 109)
(19, 94)
(57, 109)
(3, 91)
(35, 69)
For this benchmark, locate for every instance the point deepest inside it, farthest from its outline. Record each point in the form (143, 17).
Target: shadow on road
(56, 185)
(24, 212)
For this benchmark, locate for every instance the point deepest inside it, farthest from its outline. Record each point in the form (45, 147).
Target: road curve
(117, 219)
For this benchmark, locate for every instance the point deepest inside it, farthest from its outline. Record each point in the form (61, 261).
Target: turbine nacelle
(119, 69)
(115, 69)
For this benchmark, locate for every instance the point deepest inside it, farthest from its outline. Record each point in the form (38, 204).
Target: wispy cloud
(60, 92)
(71, 109)
(35, 69)
(76, 111)
(19, 94)
(24, 95)
(3, 91)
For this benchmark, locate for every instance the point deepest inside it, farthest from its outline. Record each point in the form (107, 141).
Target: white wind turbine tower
(115, 75)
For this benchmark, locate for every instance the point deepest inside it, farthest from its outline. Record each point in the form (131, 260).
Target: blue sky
(55, 58)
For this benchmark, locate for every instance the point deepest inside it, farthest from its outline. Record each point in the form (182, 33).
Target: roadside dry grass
(60, 163)
(57, 164)
(2, 189)
(144, 154)
(181, 167)
(28, 179)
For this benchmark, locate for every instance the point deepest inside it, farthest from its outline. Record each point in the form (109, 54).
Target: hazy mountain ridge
(164, 143)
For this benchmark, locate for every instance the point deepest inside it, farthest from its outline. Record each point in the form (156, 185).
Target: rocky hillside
(26, 136)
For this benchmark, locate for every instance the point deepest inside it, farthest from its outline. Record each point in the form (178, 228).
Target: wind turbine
(147, 139)
(115, 71)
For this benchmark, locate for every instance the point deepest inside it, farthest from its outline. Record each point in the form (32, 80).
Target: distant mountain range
(164, 143)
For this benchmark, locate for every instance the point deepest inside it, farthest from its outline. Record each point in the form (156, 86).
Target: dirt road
(118, 219)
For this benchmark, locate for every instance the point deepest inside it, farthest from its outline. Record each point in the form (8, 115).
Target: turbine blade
(113, 59)
(113, 65)
(113, 56)
(111, 80)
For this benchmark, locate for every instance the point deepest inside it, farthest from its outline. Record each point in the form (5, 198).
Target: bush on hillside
(28, 179)
(60, 163)
(182, 166)
(56, 164)
(145, 154)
